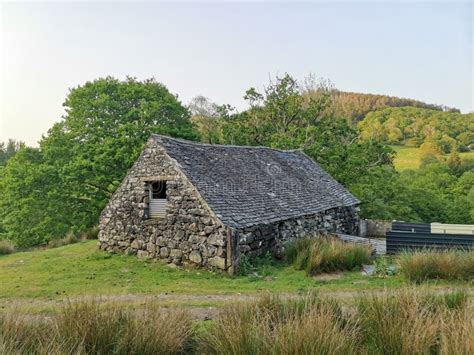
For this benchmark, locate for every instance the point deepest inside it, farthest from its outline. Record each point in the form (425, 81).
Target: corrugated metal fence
(412, 236)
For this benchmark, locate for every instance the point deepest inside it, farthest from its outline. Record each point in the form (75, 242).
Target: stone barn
(203, 204)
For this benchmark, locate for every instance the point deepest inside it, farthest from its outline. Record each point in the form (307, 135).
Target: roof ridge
(185, 141)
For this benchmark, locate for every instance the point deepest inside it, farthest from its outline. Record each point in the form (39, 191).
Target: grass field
(80, 269)
(409, 158)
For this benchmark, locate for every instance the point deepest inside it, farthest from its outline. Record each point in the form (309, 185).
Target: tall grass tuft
(20, 334)
(420, 266)
(407, 321)
(326, 254)
(456, 333)
(413, 322)
(89, 327)
(273, 326)
(6, 247)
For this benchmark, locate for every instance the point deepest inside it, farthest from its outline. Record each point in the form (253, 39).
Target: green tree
(9, 149)
(454, 160)
(284, 117)
(85, 156)
(205, 116)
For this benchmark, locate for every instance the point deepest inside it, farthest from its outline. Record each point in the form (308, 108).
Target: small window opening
(158, 190)
(158, 201)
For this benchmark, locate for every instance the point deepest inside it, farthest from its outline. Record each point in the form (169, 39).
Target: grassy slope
(409, 158)
(80, 269)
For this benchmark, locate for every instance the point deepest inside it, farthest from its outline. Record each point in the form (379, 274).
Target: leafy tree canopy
(284, 117)
(63, 185)
(414, 126)
(9, 149)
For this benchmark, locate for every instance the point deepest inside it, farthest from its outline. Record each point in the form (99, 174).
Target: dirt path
(201, 307)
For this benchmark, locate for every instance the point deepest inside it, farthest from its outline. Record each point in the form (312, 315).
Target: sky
(417, 50)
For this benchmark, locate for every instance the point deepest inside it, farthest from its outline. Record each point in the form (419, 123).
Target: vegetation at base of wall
(87, 327)
(256, 267)
(431, 264)
(70, 238)
(6, 247)
(326, 254)
(383, 266)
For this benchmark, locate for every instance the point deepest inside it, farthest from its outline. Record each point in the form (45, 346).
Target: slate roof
(246, 186)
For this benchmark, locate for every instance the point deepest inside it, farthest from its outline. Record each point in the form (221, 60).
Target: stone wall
(191, 233)
(259, 239)
(371, 228)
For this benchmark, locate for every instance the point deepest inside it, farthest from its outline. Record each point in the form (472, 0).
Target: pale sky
(418, 50)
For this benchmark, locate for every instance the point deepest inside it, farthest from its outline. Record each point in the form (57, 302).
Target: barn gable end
(188, 232)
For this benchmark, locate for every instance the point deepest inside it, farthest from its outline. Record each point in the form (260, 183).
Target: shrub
(429, 264)
(258, 266)
(383, 267)
(6, 247)
(324, 254)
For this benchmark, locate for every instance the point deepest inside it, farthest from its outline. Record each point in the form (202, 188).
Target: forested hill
(355, 106)
(413, 126)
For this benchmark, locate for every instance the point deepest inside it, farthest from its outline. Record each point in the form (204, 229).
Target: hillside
(355, 105)
(410, 158)
(413, 126)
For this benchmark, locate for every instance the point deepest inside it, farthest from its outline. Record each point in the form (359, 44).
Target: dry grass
(272, 326)
(449, 265)
(407, 321)
(92, 328)
(68, 239)
(456, 333)
(326, 254)
(413, 322)
(6, 247)
(404, 322)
